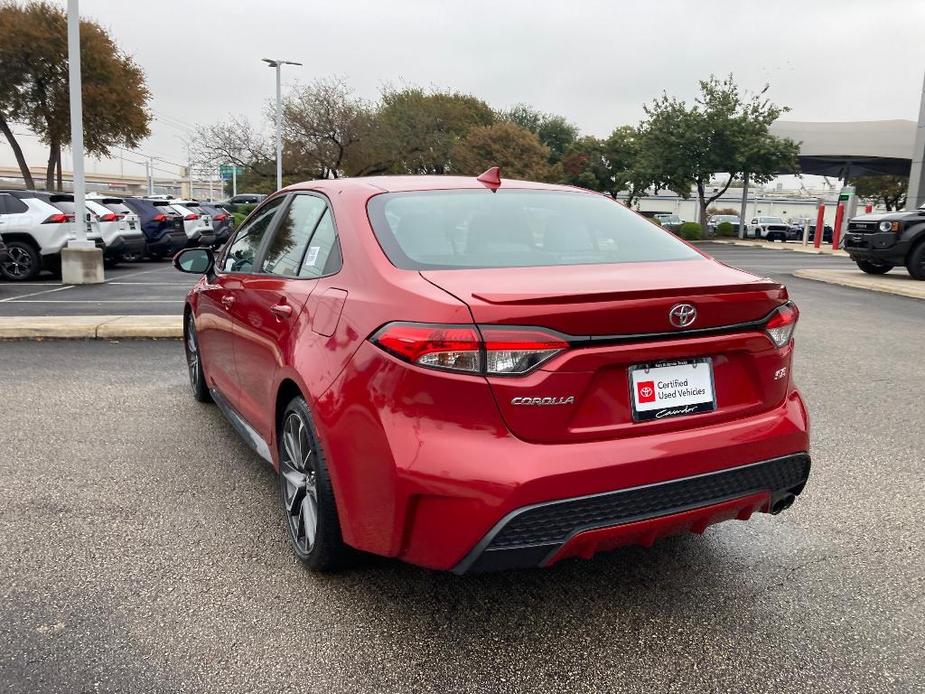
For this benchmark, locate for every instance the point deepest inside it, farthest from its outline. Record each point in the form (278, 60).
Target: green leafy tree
(518, 152)
(609, 166)
(890, 190)
(683, 145)
(34, 84)
(553, 131)
(417, 131)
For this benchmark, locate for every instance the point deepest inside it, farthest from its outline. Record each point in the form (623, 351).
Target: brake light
(60, 218)
(220, 218)
(488, 350)
(191, 217)
(781, 324)
(159, 218)
(109, 218)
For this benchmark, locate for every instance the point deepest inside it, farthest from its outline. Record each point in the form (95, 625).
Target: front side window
(514, 228)
(242, 252)
(287, 247)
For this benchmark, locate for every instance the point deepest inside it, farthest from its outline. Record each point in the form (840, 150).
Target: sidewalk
(90, 327)
(897, 281)
(795, 246)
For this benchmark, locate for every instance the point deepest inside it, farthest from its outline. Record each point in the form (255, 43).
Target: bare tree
(322, 122)
(232, 141)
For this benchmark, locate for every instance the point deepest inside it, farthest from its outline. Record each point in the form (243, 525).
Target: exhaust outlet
(782, 504)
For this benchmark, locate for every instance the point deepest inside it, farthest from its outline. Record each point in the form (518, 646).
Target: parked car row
(36, 225)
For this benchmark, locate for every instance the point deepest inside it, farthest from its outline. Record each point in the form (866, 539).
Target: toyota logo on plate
(682, 315)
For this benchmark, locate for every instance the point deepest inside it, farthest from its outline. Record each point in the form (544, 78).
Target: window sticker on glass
(312, 256)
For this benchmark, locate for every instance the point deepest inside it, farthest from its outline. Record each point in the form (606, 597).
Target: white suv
(35, 229)
(122, 235)
(768, 228)
(196, 223)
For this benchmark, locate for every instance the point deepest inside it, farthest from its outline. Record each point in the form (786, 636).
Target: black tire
(915, 263)
(194, 365)
(873, 268)
(305, 493)
(22, 262)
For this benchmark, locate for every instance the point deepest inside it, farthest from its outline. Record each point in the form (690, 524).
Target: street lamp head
(270, 63)
(276, 63)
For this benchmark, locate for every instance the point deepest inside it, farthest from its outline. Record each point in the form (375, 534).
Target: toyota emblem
(682, 315)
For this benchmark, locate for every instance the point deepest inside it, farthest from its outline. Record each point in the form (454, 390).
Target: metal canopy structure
(848, 149)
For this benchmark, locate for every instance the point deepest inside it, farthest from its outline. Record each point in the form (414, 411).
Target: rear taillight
(59, 218)
(159, 218)
(191, 217)
(781, 324)
(109, 218)
(489, 350)
(220, 218)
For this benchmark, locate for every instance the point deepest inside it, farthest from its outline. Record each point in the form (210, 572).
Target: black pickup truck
(880, 242)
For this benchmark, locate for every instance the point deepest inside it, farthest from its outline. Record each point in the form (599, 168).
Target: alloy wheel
(18, 263)
(192, 355)
(300, 491)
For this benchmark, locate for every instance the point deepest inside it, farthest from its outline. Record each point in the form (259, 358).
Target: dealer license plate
(672, 389)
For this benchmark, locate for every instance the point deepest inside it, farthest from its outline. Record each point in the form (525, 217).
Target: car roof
(402, 184)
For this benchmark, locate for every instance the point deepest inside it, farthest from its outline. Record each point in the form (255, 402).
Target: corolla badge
(682, 315)
(564, 400)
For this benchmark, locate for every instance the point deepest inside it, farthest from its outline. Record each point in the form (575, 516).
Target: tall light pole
(81, 261)
(278, 64)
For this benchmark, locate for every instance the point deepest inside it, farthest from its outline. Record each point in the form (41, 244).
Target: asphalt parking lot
(147, 288)
(144, 550)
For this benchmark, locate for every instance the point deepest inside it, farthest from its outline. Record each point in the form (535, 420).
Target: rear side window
(242, 252)
(11, 205)
(118, 208)
(287, 247)
(323, 256)
(514, 228)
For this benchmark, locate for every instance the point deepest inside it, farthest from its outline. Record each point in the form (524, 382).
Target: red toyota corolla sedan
(474, 374)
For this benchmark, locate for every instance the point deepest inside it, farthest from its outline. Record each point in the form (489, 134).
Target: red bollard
(868, 208)
(820, 225)
(839, 218)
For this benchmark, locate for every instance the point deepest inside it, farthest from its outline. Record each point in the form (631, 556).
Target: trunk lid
(618, 316)
(611, 300)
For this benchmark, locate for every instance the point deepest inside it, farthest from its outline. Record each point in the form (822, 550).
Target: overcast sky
(592, 61)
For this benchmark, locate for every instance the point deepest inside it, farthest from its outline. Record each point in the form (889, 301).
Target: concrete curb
(90, 327)
(898, 284)
(776, 246)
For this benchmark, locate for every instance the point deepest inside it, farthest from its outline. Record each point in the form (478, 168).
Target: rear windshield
(118, 208)
(514, 228)
(64, 205)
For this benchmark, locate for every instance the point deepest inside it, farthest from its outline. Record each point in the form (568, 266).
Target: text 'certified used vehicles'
(475, 374)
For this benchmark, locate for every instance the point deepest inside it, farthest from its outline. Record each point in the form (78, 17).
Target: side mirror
(198, 261)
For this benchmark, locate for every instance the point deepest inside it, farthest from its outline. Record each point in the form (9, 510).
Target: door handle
(227, 301)
(281, 310)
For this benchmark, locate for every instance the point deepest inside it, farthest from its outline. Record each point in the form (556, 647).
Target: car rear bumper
(441, 472)
(542, 534)
(125, 243)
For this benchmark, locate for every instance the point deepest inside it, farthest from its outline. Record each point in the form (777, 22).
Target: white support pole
(77, 122)
(234, 180)
(81, 260)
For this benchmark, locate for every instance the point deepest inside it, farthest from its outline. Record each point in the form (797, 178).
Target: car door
(270, 306)
(215, 322)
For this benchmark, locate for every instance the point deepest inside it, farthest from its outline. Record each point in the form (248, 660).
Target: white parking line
(97, 301)
(47, 291)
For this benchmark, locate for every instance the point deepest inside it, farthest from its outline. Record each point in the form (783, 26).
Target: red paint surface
(425, 462)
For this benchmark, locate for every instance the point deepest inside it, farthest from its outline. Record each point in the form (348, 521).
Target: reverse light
(488, 350)
(781, 324)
